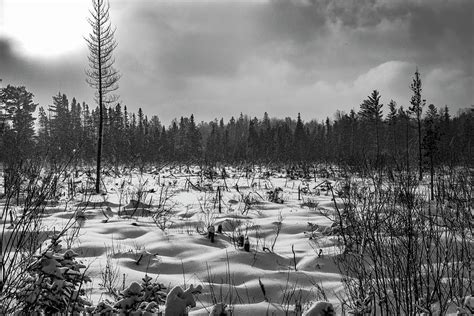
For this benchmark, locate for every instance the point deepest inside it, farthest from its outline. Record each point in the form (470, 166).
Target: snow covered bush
(178, 300)
(218, 309)
(136, 299)
(54, 283)
(275, 195)
(320, 308)
(29, 188)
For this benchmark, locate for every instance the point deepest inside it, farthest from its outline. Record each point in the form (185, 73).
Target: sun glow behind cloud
(45, 29)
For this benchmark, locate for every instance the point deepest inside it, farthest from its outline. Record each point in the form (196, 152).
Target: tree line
(67, 130)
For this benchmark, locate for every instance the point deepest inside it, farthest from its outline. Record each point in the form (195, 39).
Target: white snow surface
(183, 255)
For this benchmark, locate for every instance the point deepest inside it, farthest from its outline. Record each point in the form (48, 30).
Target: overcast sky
(219, 58)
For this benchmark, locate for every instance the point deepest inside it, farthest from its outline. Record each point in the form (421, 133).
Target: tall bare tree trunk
(101, 119)
(101, 76)
(420, 162)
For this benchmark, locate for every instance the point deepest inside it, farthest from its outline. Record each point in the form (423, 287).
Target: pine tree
(212, 144)
(417, 108)
(241, 136)
(299, 137)
(371, 111)
(19, 140)
(194, 139)
(392, 122)
(405, 116)
(253, 140)
(43, 131)
(164, 149)
(266, 135)
(141, 119)
(354, 128)
(172, 140)
(445, 134)
(430, 141)
(60, 128)
(328, 136)
(76, 126)
(139, 134)
(154, 138)
(88, 132)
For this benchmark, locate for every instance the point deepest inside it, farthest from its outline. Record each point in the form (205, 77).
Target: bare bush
(402, 253)
(207, 214)
(163, 212)
(109, 275)
(276, 229)
(29, 186)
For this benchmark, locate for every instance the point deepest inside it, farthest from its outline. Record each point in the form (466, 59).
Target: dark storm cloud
(426, 32)
(8, 60)
(284, 56)
(192, 39)
(223, 57)
(444, 32)
(43, 77)
(295, 22)
(194, 54)
(5, 49)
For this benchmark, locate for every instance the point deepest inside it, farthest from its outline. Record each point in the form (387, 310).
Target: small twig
(294, 256)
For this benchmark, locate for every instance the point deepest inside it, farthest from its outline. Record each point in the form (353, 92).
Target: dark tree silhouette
(371, 110)
(417, 108)
(132, 138)
(405, 116)
(430, 141)
(102, 76)
(392, 122)
(19, 138)
(299, 139)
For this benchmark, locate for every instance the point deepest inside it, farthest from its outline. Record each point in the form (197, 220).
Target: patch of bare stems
(402, 252)
(31, 187)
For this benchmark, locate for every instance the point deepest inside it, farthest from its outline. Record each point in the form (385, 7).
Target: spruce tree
(43, 131)
(417, 108)
(253, 140)
(19, 139)
(194, 139)
(392, 122)
(371, 111)
(430, 141)
(299, 140)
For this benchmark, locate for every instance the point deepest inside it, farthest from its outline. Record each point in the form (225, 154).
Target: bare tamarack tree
(101, 75)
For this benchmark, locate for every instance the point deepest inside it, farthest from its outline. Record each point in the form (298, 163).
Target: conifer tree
(417, 108)
(371, 110)
(430, 141)
(253, 140)
(194, 139)
(60, 127)
(19, 139)
(405, 116)
(392, 122)
(43, 131)
(299, 139)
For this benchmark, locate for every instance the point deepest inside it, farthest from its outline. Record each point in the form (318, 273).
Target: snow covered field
(122, 228)
(156, 223)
